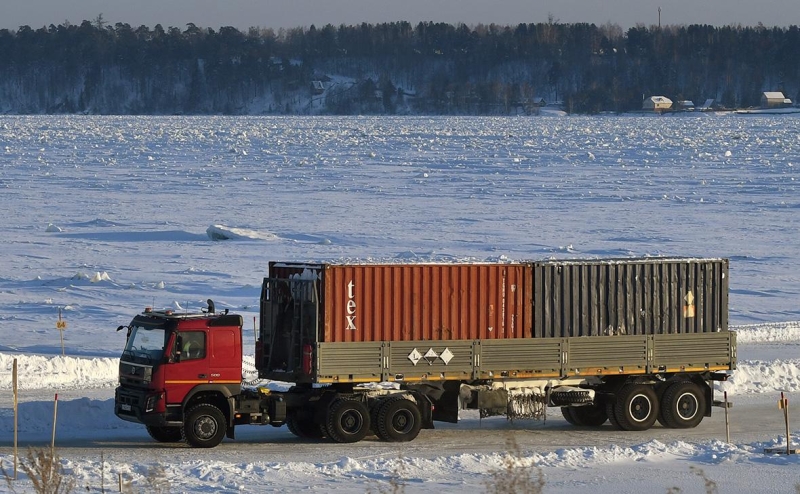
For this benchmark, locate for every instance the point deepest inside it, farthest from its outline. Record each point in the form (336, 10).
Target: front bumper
(138, 405)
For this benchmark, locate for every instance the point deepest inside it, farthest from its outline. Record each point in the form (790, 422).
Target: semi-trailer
(387, 349)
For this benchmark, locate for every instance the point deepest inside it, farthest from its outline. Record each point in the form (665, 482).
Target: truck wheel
(589, 415)
(204, 427)
(567, 413)
(636, 408)
(683, 405)
(348, 421)
(304, 428)
(165, 434)
(612, 417)
(399, 420)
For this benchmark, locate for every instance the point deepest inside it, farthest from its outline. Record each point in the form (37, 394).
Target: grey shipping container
(629, 297)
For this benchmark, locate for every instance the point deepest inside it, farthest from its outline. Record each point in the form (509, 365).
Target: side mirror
(128, 334)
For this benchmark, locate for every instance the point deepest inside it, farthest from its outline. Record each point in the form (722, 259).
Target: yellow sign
(783, 403)
(61, 324)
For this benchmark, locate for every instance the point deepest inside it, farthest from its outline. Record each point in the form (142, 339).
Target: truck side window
(194, 345)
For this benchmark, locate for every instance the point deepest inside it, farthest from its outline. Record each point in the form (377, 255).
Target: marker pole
(727, 419)
(16, 411)
(55, 416)
(785, 402)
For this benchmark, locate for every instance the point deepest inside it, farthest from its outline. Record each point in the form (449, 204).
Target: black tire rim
(352, 421)
(640, 408)
(687, 406)
(403, 421)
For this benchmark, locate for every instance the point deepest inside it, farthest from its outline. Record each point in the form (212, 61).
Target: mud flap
(444, 398)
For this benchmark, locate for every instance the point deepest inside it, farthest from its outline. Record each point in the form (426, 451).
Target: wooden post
(55, 416)
(61, 325)
(727, 419)
(16, 401)
(786, 419)
(783, 404)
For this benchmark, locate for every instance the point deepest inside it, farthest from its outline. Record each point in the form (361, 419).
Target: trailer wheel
(205, 426)
(304, 428)
(399, 420)
(587, 415)
(683, 405)
(348, 421)
(636, 407)
(165, 434)
(612, 417)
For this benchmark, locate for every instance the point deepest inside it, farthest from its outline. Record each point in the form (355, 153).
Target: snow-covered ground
(107, 215)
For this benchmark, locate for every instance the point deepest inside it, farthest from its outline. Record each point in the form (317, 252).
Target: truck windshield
(146, 344)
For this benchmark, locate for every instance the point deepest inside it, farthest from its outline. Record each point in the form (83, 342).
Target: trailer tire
(588, 415)
(398, 420)
(347, 421)
(165, 434)
(636, 407)
(205, 426)
(612, 417)
(683, 405)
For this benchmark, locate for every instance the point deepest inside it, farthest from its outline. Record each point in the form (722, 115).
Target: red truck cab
(174, 362)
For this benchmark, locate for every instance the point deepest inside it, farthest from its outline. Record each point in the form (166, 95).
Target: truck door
(225, 357)
(192, 368)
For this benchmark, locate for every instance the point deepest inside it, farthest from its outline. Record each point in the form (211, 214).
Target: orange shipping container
(393, 302)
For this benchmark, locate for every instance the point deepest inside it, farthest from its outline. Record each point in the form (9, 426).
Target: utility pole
(659, 18)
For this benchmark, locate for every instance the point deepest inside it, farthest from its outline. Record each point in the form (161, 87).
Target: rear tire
(347, 421)
(399, 420)
(304, 428)
(683, 405)
(165, 434)
(612, 417)
(205, 426)
(636, 407)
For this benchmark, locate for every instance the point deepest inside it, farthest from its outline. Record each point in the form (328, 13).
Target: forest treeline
(397, 67)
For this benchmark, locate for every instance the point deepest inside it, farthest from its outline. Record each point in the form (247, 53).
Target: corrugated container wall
(630, 296)
(425, 302)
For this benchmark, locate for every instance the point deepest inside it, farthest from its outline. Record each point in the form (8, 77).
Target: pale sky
(243, 14)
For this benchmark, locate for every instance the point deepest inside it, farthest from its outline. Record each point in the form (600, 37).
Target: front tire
(165, 434)
(205, 426)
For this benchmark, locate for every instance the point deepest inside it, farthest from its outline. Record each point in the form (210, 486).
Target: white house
(657, 103)
(774, 99)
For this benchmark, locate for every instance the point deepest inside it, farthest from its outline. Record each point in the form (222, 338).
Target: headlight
(150, 403)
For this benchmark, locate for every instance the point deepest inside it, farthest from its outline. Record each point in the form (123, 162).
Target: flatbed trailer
(390, 348)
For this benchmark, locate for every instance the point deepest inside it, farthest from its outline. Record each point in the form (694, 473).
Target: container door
(289, 327)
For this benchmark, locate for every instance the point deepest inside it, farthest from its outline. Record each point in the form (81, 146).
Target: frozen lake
(107, 215)
(133, 197)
